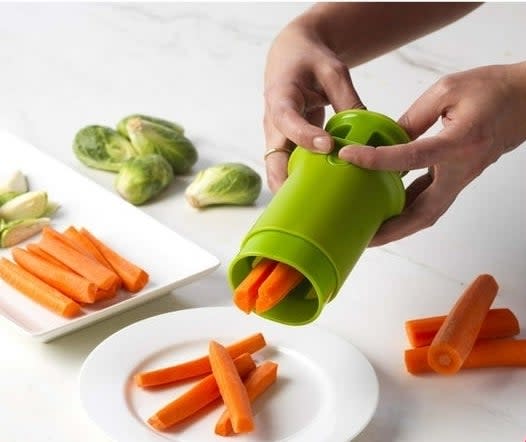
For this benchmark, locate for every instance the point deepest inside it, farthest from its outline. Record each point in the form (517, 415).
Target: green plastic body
(324, 216)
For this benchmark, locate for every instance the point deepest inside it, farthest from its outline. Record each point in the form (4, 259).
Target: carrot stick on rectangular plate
(256, 383)
(231, 387)
(83, 265)
(198, 396)
(84, 244)
(36, 289)
(455, 338)
(69, 283)
(133, 277)
(198, 366)
(504, 352)
(498, 323)
(37, 251)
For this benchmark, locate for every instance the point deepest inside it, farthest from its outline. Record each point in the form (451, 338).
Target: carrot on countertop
(69, 283)
(231, 387)
(256, 383)
(276, 286)
(36, 289)
(91, 269)
(506, 352)
(455, 338)
(84, 244)
(133, 277)
(198, 366)
(198, 396)
(498, 323)
(246, 292)
(35, 250)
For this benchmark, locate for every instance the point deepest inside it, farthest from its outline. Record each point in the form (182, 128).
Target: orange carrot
(246, 292)
(36, 289)
(133, 278)
(279, 283)
(498, 323)
(256, 383)
(485, 353)
(35, 250)
(67, 282)
(455, 338)
(83, 265)
(83, 244)
(231, 387)
(201, 394)
(52, 233)
(199, 366)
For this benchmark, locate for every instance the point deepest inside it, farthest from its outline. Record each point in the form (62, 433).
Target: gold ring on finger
(276, 149)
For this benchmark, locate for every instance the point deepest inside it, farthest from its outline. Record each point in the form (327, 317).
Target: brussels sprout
(150, 138)
(8, 196)
(228, 183)
(17, 182)
(143, 177)
(26, 205)
(123, 130)
(102, 147)
(13, 232)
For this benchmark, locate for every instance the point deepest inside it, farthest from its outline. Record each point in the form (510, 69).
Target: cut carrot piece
(455, 338)
(35, 250)
(67, 282)
(133, 278)
(278, 284)
(498, 323)
(199, 366)
(36, 289)
(246, 292)
(84, 244)
(197, 397)
(231, 387)
(485, 353)
(91, 269)
(52, 233)
(256, 383)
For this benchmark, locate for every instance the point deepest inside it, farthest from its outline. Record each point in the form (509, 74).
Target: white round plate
(326, 389)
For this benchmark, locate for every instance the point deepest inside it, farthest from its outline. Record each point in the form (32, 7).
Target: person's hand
(483, 114)
(302, 76)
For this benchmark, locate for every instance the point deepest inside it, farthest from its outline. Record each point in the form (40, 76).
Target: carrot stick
(455, 338)
(83, 244)
(35, 250)
(498, 323)
(199, 366)
(231, 387)
(256, 383)
(83, 265)
(201, 394)
(485, 353)
(69, 283)
(36, 289)
(52, 233)
(134, 278)
(279, 283)
(246, 292)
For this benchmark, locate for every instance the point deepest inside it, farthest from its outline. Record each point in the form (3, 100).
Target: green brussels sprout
(17, 182)
(26, 205)
(228, 183)
(7, 196)
(143, 177)
(148, 138)
(123, 130)
(102, 147)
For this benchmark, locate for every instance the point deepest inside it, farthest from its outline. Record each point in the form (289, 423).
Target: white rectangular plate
(170, 259)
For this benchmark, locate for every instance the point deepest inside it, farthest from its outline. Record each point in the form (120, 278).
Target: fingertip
(322, 143)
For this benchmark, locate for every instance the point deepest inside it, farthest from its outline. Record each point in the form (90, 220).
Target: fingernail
(323, 144)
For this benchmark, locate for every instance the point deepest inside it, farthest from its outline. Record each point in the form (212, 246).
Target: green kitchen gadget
(324, 215)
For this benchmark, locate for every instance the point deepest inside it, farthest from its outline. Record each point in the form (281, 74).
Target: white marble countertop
(63, 66)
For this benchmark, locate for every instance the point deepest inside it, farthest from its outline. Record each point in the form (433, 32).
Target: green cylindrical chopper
(323, 217)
